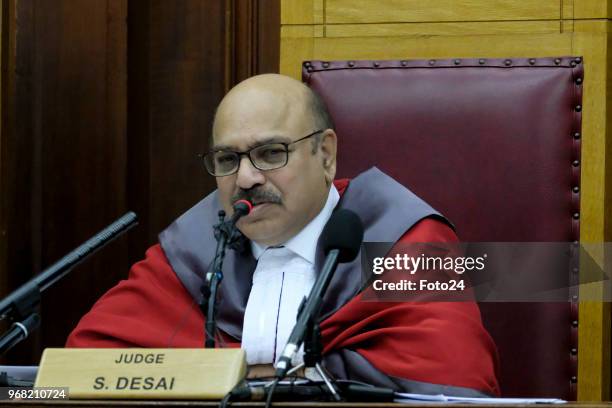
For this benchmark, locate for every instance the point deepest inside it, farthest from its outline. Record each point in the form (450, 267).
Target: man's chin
(261, 230)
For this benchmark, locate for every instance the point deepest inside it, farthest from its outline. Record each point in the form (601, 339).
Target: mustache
(257, 196)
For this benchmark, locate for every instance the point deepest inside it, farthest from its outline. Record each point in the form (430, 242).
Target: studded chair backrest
(495, 146)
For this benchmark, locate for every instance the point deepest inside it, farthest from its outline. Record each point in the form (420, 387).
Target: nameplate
(142, 373)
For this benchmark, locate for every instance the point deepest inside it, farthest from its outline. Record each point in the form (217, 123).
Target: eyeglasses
(270, 156)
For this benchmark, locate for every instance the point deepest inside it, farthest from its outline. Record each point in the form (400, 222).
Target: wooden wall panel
(442, 28)
(79, 113)
(394, 29)
(105, 104)
(176, 79)
(253, 39)
(3, 51)
(591, 39)
(302, 11)
(589, 9)
(268, 37)
(389, 11)
(443, 47)
(64, 151)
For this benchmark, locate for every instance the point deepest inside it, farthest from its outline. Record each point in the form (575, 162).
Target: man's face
(285, 199)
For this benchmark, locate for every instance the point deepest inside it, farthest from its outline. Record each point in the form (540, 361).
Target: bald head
(279, 98)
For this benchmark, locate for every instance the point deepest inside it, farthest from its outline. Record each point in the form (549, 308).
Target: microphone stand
(21, 306)
(226, 234)
(313, 354)
(307, 329)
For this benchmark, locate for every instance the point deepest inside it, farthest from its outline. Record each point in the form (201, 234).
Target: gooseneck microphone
(226, 233)
(22, 305)
(341, 240)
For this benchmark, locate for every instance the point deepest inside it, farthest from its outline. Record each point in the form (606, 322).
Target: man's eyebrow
(267, 140)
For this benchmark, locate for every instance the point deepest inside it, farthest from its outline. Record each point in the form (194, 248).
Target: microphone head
(242, 207)
(343, 231)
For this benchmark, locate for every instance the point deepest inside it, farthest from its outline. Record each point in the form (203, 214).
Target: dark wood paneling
(105, 104)
(177, 63)
(18, 174)
(64, 151)
(10, 147)
(254, 38)
(268, 36)
(139, 197)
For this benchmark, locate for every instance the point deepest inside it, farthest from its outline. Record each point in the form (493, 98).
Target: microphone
(21, 305)
(344, 233)
(226, 234)
(241, 208)
(17, 303)
(341, 240)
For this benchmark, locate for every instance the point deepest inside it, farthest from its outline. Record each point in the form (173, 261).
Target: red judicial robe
(430, 342)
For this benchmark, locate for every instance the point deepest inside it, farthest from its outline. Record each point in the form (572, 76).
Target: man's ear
(328, 148)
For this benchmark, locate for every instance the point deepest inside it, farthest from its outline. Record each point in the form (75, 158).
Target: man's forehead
(249, 129)
(255, 112)
(261, 99)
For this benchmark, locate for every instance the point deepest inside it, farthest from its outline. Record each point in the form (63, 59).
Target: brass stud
(578, 81)
(575, 323)
(325, 64)
(576, 189)
(532, 61)
(576, 216)
(481, 61)
(557, 61)
(574, 351)
(376, 64)
(573, 63)
(404, 63)
(578, 60)
(432, 62)
(508, 62)
(577, 135)
(351, 64)
(578, 108)
(574, 379)
(457, 61)
(307, 64)
(576, 163)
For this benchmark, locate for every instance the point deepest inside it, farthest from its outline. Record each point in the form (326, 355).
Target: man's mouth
(259, 210)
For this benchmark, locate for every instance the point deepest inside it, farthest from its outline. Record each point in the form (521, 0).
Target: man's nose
(248, 176)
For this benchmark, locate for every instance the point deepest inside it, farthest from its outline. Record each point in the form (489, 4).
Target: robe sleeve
(421, 347)
(150, 309)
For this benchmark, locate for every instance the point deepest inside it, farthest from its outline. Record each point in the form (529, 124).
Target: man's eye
(225, 158)
(272, 153)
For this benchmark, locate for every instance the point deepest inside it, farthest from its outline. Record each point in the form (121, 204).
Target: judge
(273, 143)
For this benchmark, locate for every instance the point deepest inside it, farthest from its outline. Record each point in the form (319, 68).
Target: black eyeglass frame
(248, 154)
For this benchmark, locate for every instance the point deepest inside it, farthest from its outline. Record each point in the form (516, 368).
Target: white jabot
(283, 276)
